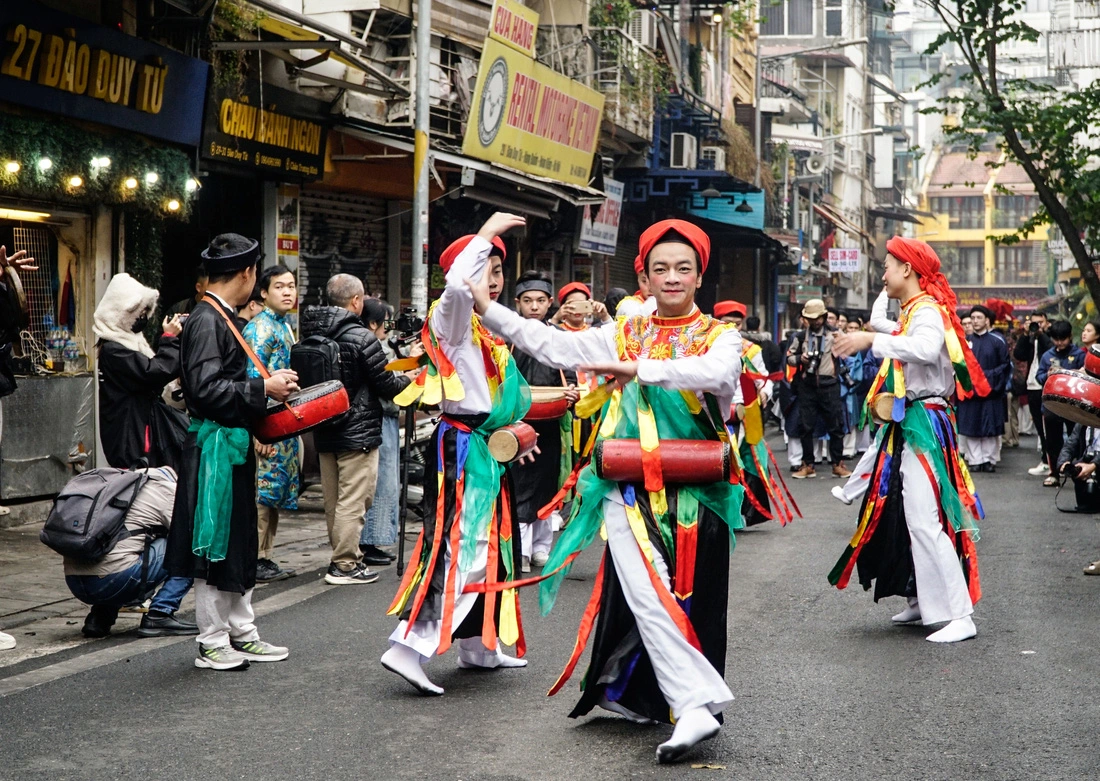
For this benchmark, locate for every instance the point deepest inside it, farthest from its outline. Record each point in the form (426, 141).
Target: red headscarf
(693, 234)
(639, 265)
(573, 287)
(926, 263)
(724, 308)
(447, 259)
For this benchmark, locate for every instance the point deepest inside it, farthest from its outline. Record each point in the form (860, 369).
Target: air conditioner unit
(642, 27)
(716, 155)
(685, 151)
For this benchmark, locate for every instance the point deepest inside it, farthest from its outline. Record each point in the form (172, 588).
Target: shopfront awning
(312, 34)
(797, 138)
(840, 221)
(898, 213)
(572, 194)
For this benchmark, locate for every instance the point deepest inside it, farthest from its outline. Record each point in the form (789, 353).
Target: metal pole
(420, 158)
(757, 270)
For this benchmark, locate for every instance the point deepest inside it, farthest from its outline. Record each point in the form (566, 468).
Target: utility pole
(757, 255)
(420, 158)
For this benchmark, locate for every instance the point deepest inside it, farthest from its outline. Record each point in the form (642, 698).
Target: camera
(845, 374)
(813, 361)
(406, 331)
(1033, 328)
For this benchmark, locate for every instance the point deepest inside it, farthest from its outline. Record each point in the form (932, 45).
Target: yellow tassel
(611, 419)
(399, 608)
(637, 525)
(591, 403)
(754, 424)
(452, 388)
(508, 630)
(692, 401)
(433, 391)
(408, 396)
(659, 502)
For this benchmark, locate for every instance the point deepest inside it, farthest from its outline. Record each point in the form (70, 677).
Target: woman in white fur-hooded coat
(135, 422)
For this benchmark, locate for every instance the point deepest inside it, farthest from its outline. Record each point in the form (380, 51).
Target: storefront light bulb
(717, 18)
(101, 162)
(12, 167)
(191, 185)
(131, 183)
(151, 177)
(45, 164)
(173, 205)
(75, 181)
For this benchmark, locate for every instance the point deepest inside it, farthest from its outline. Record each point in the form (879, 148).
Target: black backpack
(89, 515)
(316, 358)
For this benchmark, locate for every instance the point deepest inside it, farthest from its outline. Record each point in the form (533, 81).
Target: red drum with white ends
(304, 410)
(682, 461)
(547, 403)
(1092, 360)
(512, 442)
(1074, 396)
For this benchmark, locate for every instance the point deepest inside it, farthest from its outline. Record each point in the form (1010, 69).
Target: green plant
(144, 240)
(75, 150)
(610, 13)
(233, 21)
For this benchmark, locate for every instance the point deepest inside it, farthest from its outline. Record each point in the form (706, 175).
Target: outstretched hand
(846, 345)
(622, 372)
(20, 260)
(499, 224)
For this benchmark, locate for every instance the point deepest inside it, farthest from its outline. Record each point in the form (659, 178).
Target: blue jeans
(121, 589)
(380, 521)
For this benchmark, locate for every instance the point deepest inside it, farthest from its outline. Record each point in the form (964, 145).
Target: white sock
(405, 662)
(478, 661)
(626, 713)
(909, 615)
(693, 726)
(956, 631)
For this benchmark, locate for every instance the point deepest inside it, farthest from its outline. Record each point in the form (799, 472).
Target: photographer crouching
(817, 389)
(1078, 461)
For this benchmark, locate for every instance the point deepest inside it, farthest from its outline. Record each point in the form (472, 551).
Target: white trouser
(864, 440)
(850, 443)
(536, 537)
(686, 679)
(980, 450)
(860, 481)
(821, 449)
(424, 636)
(222, 615)
(794, 451)
(941, 587)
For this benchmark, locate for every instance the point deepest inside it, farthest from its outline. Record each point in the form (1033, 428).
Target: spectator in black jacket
(1029, 349)
(1078, 460)
(135, 422)
(348, 447)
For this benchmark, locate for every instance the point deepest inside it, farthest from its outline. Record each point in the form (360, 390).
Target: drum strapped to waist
(303, 411)
(1074, 396)
(511, 442)
(1092, 360)
(682, 461)
(547, 403)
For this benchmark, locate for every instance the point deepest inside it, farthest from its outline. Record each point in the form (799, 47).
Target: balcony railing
(625, 74)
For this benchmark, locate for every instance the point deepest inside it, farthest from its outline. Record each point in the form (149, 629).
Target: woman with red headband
(662, 587)
(469, 539)
(917, 524)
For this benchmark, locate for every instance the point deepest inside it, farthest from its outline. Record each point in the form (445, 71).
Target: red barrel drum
(1074, 396)
(682, 460)
(511, 442)
(304, 410)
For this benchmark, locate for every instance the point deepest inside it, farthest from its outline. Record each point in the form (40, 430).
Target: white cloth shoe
(7, 642)
(955, 631)
(838, 493)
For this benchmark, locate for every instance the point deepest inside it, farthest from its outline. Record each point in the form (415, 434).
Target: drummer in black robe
(535, 483)
(213, 535)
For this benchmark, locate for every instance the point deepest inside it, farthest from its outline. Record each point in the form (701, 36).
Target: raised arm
(880, 321)
(451, 318)
(922, 344)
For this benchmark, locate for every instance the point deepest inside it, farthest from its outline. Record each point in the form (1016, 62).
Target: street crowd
(638, 419)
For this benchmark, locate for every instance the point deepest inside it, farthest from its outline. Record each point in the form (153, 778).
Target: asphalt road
(826, 688)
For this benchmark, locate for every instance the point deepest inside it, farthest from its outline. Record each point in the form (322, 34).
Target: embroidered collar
(677, 322)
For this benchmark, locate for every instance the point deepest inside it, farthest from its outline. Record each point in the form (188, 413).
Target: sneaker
(359, 574)
(259, 651)
(525, 564)
(156, 624)
(839, 470)
(539, 559)
(806, 470)
(7, 642)
(222, 657)
(372, 554)
(1042, 469)
(267, 571)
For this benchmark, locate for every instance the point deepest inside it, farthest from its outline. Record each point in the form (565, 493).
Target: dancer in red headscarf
(917, 524)
(660, 594)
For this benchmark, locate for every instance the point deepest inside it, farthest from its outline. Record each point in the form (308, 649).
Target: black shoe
(991, 467)
(99, 621)
(267, 571)
(156, 624)
(372, 554)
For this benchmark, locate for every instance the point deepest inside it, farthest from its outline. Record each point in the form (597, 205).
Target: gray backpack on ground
(89, 515)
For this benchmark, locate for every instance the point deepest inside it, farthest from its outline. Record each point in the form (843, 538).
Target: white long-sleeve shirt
(922, 350)
(706, 373)
(451, 322)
